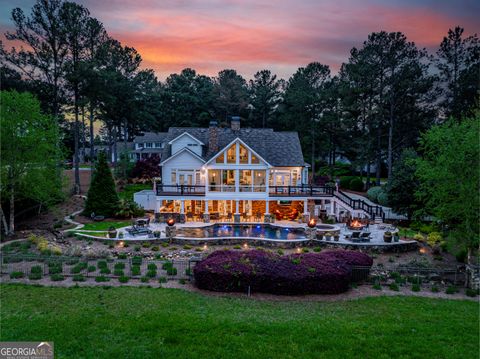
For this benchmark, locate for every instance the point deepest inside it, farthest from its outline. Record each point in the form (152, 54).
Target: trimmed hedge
(328, 272)
(373, 193)
(356, 184)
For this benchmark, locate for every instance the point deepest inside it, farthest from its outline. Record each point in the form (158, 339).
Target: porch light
(245, 246)
(170, 222)
(312, 223)
(299, 250)
(423, 250)
(205, 247)
(121, 244)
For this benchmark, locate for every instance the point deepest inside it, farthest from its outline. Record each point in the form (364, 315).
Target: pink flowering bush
(307, 273)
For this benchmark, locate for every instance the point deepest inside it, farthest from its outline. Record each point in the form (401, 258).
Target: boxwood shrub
(328, 272)
(16, 275)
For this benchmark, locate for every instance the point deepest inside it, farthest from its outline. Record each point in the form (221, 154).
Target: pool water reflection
(264, 231)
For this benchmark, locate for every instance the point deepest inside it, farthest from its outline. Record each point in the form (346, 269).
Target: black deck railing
(282, 191)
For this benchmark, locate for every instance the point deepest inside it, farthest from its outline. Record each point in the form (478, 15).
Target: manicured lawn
(130, 189)
(168, 323)
(105, 225)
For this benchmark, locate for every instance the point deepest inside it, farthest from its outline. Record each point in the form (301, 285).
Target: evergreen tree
(102, 198)
(403, 184)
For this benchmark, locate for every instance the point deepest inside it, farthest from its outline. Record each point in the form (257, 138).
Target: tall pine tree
(102, 198)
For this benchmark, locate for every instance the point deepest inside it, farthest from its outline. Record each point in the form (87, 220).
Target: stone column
(206, 215)
(305, 216)
(311, 233)
(267, 217)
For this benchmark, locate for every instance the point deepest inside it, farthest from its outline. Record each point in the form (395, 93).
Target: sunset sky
(250, 35)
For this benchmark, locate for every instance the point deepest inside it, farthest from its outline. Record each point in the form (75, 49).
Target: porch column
(236, 215)
(206, 215)
(156, 211)
(267, 217)
(182, 211)
(332, 210)
(306, 216)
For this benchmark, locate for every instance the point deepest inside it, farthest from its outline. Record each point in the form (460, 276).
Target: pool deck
(376, 234)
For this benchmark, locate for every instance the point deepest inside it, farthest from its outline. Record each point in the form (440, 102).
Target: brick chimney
(213, 137)
(235, 123)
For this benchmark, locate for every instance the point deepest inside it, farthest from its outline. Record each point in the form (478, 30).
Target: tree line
(383, 97)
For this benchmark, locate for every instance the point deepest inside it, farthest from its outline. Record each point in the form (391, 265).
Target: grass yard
(105, 225)
(167, 323)
(130, 189)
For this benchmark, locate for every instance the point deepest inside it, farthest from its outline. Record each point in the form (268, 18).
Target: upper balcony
(273, 191)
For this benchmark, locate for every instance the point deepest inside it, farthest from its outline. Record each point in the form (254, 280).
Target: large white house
(238, 174)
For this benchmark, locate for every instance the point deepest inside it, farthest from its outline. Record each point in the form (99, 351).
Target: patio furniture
(190, 216)
(355, 237)
(135, 230)
(229, 217)
(365, 237)
(214, 216)
(258, 217)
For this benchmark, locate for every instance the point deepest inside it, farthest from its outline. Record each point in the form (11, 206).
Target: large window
(220, 158)
(259, 180)
(245, 180)
(243, 154)
(214, 180)
(232, 154)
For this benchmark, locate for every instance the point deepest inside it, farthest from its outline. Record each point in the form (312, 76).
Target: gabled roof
(151, 137)
(231, 143)
(188, 134)
(279, 149)
(181, 151)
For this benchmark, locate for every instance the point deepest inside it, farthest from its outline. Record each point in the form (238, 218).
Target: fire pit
(355, 225)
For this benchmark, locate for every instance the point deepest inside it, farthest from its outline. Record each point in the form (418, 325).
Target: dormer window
(140, 145)
(148, 144)
(158, 144)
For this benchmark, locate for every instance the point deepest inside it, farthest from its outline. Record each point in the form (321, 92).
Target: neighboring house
(230, 173)
(148, 144)
(108, 149)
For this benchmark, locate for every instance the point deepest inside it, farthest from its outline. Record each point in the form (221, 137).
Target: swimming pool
(261, 231)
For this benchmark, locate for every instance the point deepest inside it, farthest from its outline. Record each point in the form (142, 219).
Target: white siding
(188, 142)
(184, 161)
(145, 199)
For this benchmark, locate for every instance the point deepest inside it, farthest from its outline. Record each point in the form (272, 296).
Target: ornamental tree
(102, 198)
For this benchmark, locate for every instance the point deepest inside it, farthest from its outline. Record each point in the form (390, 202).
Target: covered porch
(235, 211)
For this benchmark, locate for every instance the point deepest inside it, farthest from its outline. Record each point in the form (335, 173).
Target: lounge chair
(365, 237)
(355, 237)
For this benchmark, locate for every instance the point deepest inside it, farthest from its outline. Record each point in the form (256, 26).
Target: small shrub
(373, 192)
(377, 286)
(162, 280)
(434, 238)
(172, 271)
(137, 261)
(434, 289)
(181, 281)
(164, 245)
(78, 278)
(137, 248)
(151, 273)
(187, 247)
(118, 272)
(280, 251)
(119, 265)
(123, 279)
(415, 287)
(382, 198)
(75, 270)
(167, 265)
(145, 279)
(394, 286)
(471, 292)
(237, 246)
(36, 269)
(317, 249)
(101, 278)
(35, 276)
(152, 266)
(146, 244)
(451, 290)
(16, 275)
(356, 184)
(91, 269)
(105, 271)
(135, 270)
(419, 237)
(305, 250)
(57, 269)
(155, 249)
(102, 264)
(57, 277)
(122, 256)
